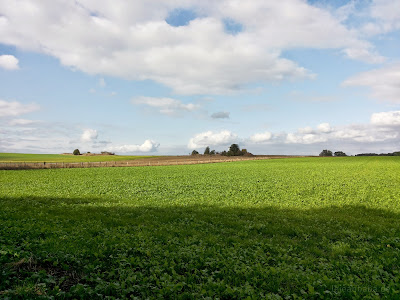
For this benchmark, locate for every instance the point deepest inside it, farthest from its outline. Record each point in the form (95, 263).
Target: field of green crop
(18, 157)
(299, 228)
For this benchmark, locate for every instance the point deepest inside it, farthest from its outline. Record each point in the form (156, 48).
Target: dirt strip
(152, 161)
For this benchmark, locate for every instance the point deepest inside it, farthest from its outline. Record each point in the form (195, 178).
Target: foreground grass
(19, 157)
(291, 228)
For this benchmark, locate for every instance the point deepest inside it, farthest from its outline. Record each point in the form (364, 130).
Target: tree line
(234, 150)
(341, 153)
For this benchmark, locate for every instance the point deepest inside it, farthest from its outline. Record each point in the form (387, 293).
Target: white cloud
(167, 106)
(365, 134)
(364, 54)
(89, 135)
(210, 138)
(220, 115)
(147, 146)
(384, 82)
(351, 133)
(14, 108)
(308, 138)
(37, 137)
(389, 118)
(47, 137)
(261, 137)
(21, 122)
(9, 62)
(324, 127)
(306, 130)
(386, 17)
(131, 40)
(382, 128)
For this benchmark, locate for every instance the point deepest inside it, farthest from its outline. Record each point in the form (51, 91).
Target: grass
(314, 228)
(19, 157)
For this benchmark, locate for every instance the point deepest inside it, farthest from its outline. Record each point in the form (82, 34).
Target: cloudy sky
(170, 76)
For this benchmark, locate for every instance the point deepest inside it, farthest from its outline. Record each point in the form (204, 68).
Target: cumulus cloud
(89, 135)
(9, 62)
(167, 106)
(364, 54)
(22, 135)
(261, 137)
(306, 130)
(365, 133)
(384, 82)
(147, 146)
(210, 138)
(389, 118)
(220, 115)
(308, 138)
(385, 17)
(132, 40)
(60, 137)
(324, 127)
(384, 127)
(15, 108)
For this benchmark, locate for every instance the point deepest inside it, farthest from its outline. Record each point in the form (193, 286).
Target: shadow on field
(86, 247)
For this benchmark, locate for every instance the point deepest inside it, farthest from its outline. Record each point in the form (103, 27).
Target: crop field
(19, 157)
(298, 228)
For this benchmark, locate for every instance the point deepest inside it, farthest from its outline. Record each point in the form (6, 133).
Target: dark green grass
(295, 228)
(19, 157)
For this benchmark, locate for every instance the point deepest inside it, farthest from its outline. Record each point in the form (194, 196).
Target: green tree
(207, 151)
(76, 152)
(340, 153)
(212, 152)
(234, 150)
(194, 152)
(326, 153)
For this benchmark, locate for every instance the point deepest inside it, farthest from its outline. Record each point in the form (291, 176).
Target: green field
(314, 228)
(18, 157)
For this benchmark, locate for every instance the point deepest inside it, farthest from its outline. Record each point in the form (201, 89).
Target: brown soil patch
(151, 161)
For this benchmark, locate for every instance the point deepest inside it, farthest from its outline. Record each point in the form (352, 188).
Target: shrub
(107, 153)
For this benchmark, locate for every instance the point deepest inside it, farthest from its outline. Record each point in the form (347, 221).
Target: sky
(165, 77)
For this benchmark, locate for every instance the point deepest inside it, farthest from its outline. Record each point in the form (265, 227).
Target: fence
(129, 163)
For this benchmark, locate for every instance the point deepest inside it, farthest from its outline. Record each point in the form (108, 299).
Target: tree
(207, 151)
(76, 152)
(326, 153)
(340, 153)
(194, 152)
(212, 152)
(234, 150)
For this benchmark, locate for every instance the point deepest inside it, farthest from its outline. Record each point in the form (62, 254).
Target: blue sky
(167, 77)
